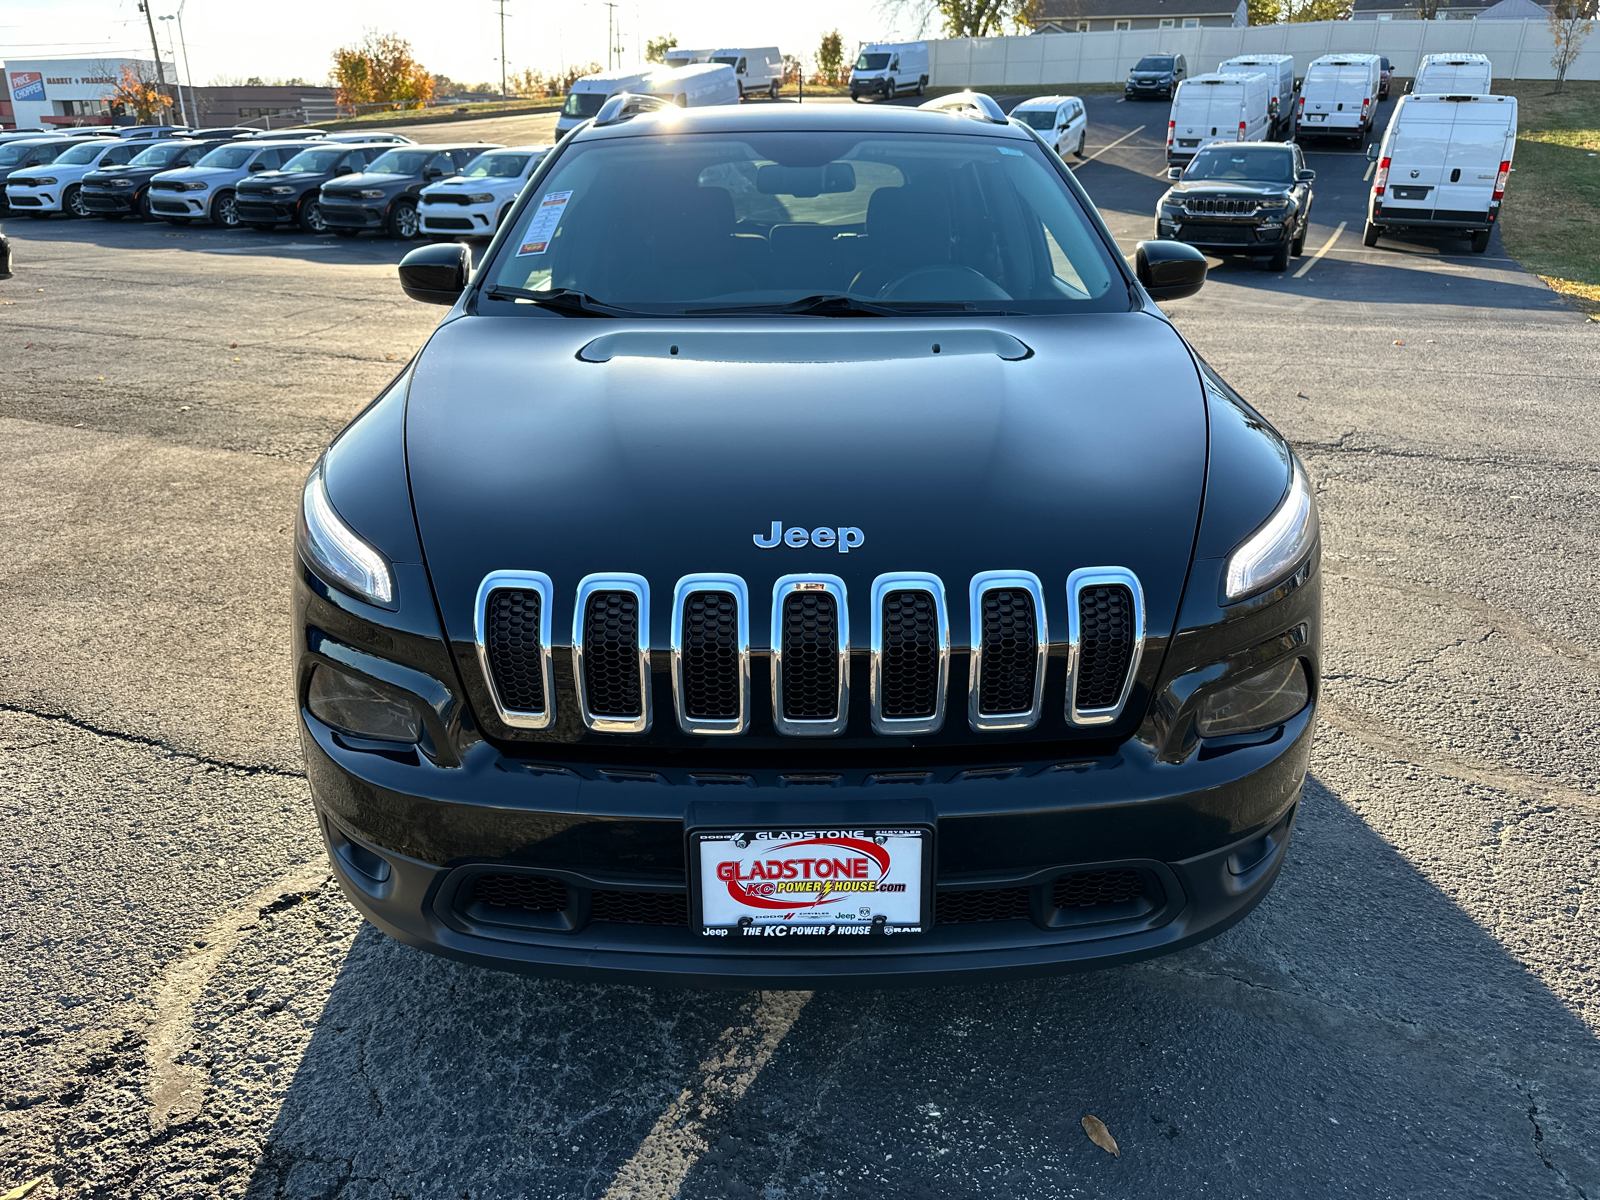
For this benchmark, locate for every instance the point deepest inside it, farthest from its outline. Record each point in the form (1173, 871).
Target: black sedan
(805, 555)
(1248, 198)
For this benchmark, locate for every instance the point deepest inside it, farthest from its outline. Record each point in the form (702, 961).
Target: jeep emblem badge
(845, 537)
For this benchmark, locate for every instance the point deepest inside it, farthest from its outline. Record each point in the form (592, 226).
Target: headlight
(1275, 549)
(120, 183)
(336, 552)
(362, 707)
(371, 194)
(195, 187)
(44, 180)
(281, 191)
(1259, 702)
(481, 198)
(1273, 202)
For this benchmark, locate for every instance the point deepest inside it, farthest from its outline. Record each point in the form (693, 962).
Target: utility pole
(502, 4)
(611, 12)
(161, 75)
(194, 106)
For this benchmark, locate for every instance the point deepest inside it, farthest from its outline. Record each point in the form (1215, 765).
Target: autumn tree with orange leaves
(137, 92)
(380, 69)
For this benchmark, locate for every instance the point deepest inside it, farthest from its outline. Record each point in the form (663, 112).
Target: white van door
(1418, 147)
(1477, 147)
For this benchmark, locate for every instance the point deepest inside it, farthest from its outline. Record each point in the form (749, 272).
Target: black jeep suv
(1250, 198)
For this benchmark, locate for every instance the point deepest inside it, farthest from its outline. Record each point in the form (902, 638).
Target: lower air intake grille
(1091, 889)
(511, 629)
(996, 904)
(1010, 652)
(530, 893)
(641, 908)
(711, 656)
(810, 657)
(910, 655)
(611, 654)
(1106, 620)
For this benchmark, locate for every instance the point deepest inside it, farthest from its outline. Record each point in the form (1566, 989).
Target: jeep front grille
(1105, 639)
(611, 644)
(1222, 207)
(810, 655)
(1008, 650)
(910, 654)
(711, 654)
(512, 626)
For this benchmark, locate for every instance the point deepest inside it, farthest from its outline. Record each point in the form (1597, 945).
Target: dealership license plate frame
(751, 932)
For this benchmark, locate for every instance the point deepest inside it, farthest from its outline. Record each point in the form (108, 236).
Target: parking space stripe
(683, 1133)
(1326, 246)
(1112, 146)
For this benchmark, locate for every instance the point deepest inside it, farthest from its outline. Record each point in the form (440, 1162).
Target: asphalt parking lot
(191, 1009)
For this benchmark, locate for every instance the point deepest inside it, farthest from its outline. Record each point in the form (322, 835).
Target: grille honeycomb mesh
(1090, 889)
(910, 655)
(530, 893)
(611, 654)
(1010, 652)
(516, 659)
(1106, 623)
(711, 656)
(641, 908)
(810, 657)
(994, 904)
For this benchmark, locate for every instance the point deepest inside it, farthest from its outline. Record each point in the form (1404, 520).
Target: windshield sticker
(543, 226)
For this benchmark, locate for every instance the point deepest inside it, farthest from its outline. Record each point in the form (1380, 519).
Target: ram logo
(845, 537)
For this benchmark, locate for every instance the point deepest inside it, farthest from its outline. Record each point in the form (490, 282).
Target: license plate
(1315, 117)
(812, 883)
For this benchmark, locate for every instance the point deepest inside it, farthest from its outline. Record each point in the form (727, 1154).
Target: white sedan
(1060, 121)
(473, 203)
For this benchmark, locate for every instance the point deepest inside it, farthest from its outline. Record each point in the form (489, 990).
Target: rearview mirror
(1372, 151)
(1169, 270)
(436, 274)
(1305, 176)
(774, 179)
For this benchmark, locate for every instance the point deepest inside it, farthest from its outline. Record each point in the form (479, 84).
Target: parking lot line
(1368, 175)
(1112, 146)
(1326, 246)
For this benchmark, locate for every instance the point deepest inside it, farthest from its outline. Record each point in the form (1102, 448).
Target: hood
(206, 174)
(1090, 451)
(372, 179)
(1226, 187)
(268, 178)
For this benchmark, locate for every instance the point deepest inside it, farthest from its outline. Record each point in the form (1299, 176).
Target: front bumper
(180, 204)
(1148, 89)
(109, 202)
(459, 220)
(869, 87)
(32, 200)
(344, 215)
(1222, 236)
(262, 209)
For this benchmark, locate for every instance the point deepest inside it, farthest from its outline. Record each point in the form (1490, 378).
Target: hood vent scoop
(803, 345)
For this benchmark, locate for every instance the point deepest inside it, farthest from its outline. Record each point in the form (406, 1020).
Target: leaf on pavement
(17, 1193)
(1100, 1135)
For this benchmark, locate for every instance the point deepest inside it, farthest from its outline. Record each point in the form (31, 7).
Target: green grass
(1550, 221)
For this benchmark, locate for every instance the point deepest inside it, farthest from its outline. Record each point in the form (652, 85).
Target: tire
(1280, 260)
(1480, 241)
(225, 211)
(1298, 246)
(404, 223)
(310, 216)
(772, 90)
(141, 205)
(922, 85)
(72, 204)
(1082, 139)
(888, 89)
(347, 233)
(1369, 235)
(740, 86)
(501, 219)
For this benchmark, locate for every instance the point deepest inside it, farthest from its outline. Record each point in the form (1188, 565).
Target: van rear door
(1417, 151)
(1206, 111)
(1477, 147)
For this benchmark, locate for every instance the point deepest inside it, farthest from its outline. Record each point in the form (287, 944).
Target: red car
(1383, 79)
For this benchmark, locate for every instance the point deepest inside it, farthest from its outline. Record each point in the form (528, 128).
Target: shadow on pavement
(1360, 1034)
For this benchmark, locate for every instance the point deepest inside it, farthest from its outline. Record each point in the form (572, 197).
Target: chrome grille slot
(711, 654)
(1009, 643)
(1105, 640)
(512, 628)
(610, 646)
(910, 653)
(1219, 206)
(810, 656)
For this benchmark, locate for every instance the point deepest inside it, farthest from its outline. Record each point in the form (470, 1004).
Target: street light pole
(502, 4)
(183, 109)
(194, 103)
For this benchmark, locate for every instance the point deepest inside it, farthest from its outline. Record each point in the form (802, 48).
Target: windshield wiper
(567, 301)
(838, 304)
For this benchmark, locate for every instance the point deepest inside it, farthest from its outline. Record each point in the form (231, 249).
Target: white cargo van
(590, 92)
(1279, 69)
(758, 70)
(693, 87)
(1443, 166)
(1453, 75)
(677, 57)
(889, 68)
(1217, 108)
(1339, 96)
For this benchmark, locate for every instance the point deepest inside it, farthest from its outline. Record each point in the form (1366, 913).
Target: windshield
(583, 104)
(229, 158)
(320, 161)
(1259, 165)
(1036, 118)
(872, 62)
(158, 156)
(497, 166)
(1154, 62)
(87, 152)
(679, 224)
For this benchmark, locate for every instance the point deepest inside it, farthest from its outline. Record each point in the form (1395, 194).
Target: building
(67, 91)
(1096, 16)
(260, 106)
(1449, 10)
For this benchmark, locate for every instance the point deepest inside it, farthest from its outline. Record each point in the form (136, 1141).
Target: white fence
(1519, 49)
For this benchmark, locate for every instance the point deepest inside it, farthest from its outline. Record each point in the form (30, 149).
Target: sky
(460, 39)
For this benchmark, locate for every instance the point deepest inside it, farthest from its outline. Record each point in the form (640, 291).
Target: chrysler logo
(845, 537)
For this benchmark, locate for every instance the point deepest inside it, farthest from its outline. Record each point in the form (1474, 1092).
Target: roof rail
(624, 106)
(976, 105)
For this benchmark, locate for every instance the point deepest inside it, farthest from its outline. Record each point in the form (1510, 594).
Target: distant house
(1454, 10)
(1096, 16)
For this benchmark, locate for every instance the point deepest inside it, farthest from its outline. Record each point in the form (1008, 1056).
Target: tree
(655, 50)
(1264, 12)
(791, 69)
(136, 91)
(1570, 23)
(1324, 10)
(968, 18)
(380, 69)
(830, 57)
(573, 73)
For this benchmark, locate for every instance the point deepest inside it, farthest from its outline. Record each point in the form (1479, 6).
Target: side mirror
(1305, 176)
(1372, 151)
(257, 166)
(436, 274)
(344, 169)
(1174, 173)
(1169, 270)
(433, 173)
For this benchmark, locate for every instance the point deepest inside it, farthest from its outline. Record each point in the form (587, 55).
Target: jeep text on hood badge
(846, 537)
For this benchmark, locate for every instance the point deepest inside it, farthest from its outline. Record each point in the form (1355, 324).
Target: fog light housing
(362, 707)
(1256, 702)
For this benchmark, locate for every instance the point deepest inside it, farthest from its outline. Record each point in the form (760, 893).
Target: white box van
(677, 57)
(590, 92)
(1443, 166)
(758, 70)
(888, 68)
(1339, 96)
(1279, 69)
(1453, 75)
(1217, 108)
(693, 87)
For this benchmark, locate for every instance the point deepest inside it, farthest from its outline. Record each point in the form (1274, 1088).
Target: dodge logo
(845, 537)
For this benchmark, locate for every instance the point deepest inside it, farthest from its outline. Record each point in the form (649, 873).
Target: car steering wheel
(942, 282)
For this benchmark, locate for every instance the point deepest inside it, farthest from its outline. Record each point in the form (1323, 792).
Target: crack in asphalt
(1470, 460)
(1540, 1146)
